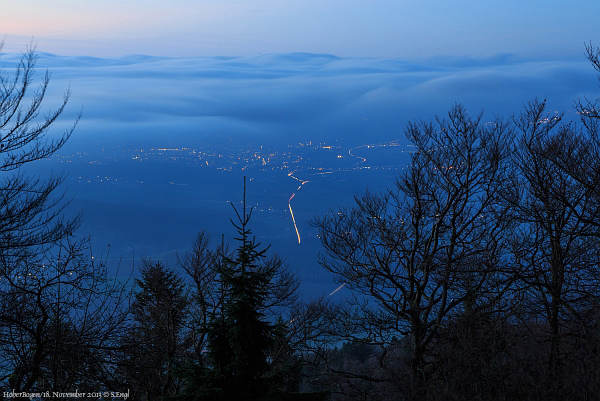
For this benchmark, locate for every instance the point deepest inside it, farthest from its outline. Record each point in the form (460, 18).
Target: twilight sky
(299, 70)
(346, 28)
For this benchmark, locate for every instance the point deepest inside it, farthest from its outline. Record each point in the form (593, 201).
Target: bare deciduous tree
(30, 210)
(59, 310)
(60, 319)
(556, 243)
(429, 247)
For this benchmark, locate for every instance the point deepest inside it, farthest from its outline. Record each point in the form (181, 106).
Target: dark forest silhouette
(475, 277)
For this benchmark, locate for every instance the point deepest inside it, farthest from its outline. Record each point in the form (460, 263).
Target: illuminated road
(360, 160)
(293, 218)
(302, 182)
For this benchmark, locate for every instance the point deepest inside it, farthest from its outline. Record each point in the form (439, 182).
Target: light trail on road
(361, 160)
(293, 218)
(302, 182)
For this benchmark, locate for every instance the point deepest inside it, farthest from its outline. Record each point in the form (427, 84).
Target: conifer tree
(246, 282)
(245, 327)
(156, 343)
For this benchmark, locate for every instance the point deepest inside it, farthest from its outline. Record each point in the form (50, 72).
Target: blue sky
(346, 28)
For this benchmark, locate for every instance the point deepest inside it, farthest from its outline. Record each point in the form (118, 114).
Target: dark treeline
(475, 277)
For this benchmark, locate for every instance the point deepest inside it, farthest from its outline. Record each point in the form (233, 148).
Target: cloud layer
(297, 96)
